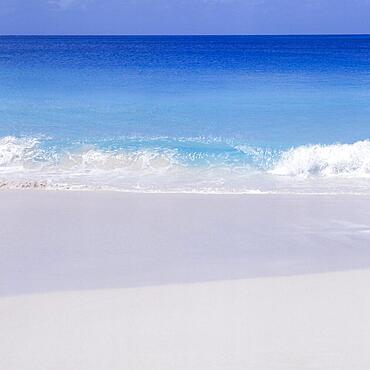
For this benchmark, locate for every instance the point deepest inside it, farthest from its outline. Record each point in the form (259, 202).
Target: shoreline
(32, 188)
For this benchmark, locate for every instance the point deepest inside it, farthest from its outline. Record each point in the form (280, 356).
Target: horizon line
(182, 35)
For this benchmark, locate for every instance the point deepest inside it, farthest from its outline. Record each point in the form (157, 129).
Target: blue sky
(184, 16)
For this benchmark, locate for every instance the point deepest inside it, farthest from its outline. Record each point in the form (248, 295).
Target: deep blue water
(139, 105)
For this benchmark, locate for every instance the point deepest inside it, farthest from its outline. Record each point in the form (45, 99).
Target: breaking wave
(17, 151)
(196, 166)
(351, 160)
(27, 154)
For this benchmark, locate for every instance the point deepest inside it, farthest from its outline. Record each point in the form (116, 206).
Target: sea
(186, 114)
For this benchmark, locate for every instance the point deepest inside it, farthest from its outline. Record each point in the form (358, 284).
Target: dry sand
(99, 280)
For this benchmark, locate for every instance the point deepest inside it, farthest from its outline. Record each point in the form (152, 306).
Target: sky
(184, 16)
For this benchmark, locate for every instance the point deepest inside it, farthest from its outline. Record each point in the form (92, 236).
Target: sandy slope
(91, 264)
(318, 321)
(86, 240)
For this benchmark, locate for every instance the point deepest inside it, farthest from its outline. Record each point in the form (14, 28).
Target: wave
(351, 160)
(141, 160)
(17, 151)
(27, 154)
(165, 166)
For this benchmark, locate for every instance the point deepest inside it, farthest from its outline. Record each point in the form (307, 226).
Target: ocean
(203, 114)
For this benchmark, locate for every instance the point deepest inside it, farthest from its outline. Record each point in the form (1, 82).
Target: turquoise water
(197, 114)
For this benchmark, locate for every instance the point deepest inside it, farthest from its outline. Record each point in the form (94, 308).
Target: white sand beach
(104, 280)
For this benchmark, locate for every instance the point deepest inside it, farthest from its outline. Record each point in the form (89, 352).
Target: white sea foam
(348, 160)
(26, 153)
(141, 160)
(17, 151)
(338, 168)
